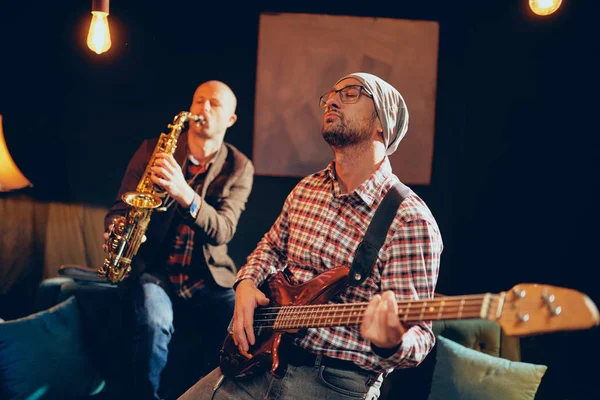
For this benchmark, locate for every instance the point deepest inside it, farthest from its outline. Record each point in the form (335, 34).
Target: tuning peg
(549, 300)
(522, 317)
(519, 293)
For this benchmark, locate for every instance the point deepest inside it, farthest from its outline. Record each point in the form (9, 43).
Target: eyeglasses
(348, 94)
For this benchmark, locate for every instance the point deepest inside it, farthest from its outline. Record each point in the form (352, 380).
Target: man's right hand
(247, 298)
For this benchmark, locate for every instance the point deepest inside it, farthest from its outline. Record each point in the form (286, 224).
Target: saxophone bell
(142, 200)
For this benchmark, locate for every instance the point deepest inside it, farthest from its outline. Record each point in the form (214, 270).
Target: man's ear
(379, 134)
(378, 126)
(232, 120)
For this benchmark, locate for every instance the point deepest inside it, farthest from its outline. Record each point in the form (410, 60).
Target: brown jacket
(225, 191)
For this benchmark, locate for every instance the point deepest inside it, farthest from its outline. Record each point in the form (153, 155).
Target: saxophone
(126, 233)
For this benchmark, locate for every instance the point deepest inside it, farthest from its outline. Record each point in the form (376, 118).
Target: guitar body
(283, 290)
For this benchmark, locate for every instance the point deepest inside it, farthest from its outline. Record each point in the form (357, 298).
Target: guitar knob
(519, 293)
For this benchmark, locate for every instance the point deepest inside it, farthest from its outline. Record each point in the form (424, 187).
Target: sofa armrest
(50, 293)
(481, 335)
(510, 347)
(107, 317)
(83, 275)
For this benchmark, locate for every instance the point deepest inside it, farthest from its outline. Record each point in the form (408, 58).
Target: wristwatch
(195, 206)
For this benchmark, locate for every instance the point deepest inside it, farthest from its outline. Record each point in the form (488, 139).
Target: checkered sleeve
(412, 272)
(271, 251)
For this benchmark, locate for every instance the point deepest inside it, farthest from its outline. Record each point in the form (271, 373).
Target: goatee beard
(348, 133)
(340, 137)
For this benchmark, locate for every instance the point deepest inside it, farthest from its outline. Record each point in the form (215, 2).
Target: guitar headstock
(530, 309)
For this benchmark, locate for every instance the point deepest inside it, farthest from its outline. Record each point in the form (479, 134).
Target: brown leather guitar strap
(366, 253)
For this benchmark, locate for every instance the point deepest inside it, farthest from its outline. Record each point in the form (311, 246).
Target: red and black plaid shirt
(187, 273)
(319, 228)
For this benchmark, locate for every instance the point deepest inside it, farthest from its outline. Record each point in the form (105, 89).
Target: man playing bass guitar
(322, 223)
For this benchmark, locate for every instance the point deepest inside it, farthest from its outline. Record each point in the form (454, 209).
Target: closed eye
(213, 102)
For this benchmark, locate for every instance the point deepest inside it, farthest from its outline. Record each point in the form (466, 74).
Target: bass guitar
(526, 309)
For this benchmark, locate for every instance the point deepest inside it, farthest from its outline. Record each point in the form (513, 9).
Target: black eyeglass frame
(326, 96)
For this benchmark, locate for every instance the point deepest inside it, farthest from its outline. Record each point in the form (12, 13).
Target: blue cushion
(42, 356)
(467, 374)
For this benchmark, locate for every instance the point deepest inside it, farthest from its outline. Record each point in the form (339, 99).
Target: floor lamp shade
(11, 177)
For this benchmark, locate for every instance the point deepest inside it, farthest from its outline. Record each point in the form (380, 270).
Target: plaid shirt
(319, 228)
(187, 273)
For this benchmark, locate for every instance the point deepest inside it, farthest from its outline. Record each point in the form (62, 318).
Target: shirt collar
(370, 190)
(193, 160)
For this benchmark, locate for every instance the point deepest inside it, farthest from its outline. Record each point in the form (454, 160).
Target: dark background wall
(514, 169)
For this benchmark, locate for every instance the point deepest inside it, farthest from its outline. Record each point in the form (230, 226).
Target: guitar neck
(486, 306)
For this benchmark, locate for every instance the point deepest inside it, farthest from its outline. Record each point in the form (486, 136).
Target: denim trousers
(299, 382)
(187, 333)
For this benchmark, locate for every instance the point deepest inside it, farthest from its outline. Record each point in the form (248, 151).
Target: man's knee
(154, 308)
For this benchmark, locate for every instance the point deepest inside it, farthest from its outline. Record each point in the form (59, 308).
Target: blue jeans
(298, 383)
(206, 316)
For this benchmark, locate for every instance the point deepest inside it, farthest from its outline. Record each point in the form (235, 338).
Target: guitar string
(335, 306)
(291, 310)
(401, 303)
(327, 314)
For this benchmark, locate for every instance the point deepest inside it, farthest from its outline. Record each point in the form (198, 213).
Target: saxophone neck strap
(368, 249)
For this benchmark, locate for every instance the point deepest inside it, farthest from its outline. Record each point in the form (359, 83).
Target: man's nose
(333, 100)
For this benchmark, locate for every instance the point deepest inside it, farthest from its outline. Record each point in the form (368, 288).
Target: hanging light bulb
(98, 39)
(544, 7)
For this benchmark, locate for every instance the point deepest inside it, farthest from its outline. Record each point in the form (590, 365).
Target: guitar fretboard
(326, 315)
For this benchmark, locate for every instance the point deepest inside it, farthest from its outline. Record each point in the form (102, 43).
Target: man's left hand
(381, 324)
(167, 174)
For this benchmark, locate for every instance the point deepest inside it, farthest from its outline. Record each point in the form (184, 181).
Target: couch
(75, 343)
